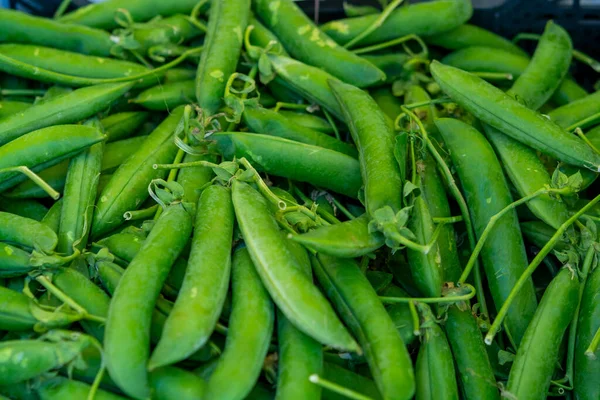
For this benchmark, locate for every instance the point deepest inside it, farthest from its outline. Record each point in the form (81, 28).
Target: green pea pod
(568, 92)
(226, 25)
(308, 120)
(385, 99)
(374, 139)
(262, 120)
(27, 233)
(361, 309)
(284, 92)
(20, 27)
(63, 388)
(321, 167)
(194, 179)
(262, 37)
(307, 43)
(166, 96)
(191, 322)
(70, 108)
(588, 176)
(295, 294)
(8, 108)
(52, 217)
(538, 353)
(249, 333)
(24, 208)
(423, 19)
(470, 356)
(585, 384)
(128, 187)
(400, 314)
(350, 380)
(467, 35)
(170, 383)
(392, 64)
(174, 30)
(14, 261)
(486, 193)
(43, 148)
(434, 370)
(127, 333)
(124, 245)
(124, 124)
(539, 233)
(500, 111)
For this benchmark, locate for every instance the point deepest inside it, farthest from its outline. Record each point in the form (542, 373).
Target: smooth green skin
(43, 148)
(70, 108)
(284, 92)
(262, 37)
(195, 178)
(389, 104)
(422, 19)
(392, 64)
(170, 383)
(468, 35)
(539, 233)
(435, 376)
(249, 333)
(52, 217)
(15, 312)
(8, 108)
(101, 15)
(349, 379)
(307, 43)
(26, 232)
(14, 261)
(202, 295)
(348, 239)
(19, 27)
(538, 353)
(175, 29)
(310, 82)
(127, 332)
(568, 92)
(165, 96)
(24, 208)
(586, 386)
(576, 111)
(320, 167)
(492, 106)
(226, 25)
(128, 187)
(179, 74)
(268, 122)
(123, 125)
(293, 292)
(360, 307)
(486, 193)
(63, 388)
(475, 372)
(400, 314)
(308, 120)
(374, 138)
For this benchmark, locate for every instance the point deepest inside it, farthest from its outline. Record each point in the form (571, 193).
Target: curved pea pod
(538, 352)
(470, 356)
(124, 245)
(293, 292)
(262, 120)
(19, 27)
(576, 111)
(585, 384)
(8, 108)
(361, 309)
(587, 175)
(170, 383)
(568, 92)
(14, 261)
(499, 110)
(400, 314)
(124, 124)
(166, 96)
(194, 179)
(321, 167)
(486, 192)
(421, 19)
(540, 233)
(249, 333)
(191, 322)
(52, 217)
(311, 121)
(226, 25)
(385, 99)
(128, 187)
(27, 232)
(24, 208)
(43, 148)
(127, 332)
(350, 380)
(69, 108)
(307, 43)
(172, 30)
(392, 64)
(434, 370)
(63, 388)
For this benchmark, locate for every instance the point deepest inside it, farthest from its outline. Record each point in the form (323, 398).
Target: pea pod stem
(376, 24)
(336, 131)
(489, 337)
(593, 347)
(441, 100)
(334, 387)
(422, 248)
(136, 215)
(579, 133)
(280, 104)
(492, 76)
(447, 220)
(401, 40)
(415, 318)
(22, 92)
(62, 7)
(431, 300)
(324, 214)
(35, 178)
(584, 122)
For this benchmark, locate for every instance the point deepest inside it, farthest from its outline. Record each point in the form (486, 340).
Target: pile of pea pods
(226, 200)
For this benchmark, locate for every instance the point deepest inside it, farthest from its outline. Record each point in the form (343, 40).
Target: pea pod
(8, 108)
(226, 25)
(539, 233)
(14, 261)
(308, 120)
(170, 383)
(392, 64)
(400, 314)
(250, 329)
(24, 208)
(349, 379)
(576, 111)
(52, 217)
(63, 388)
(262, 37)
(194, 179)
(172, 30)
(361, 309)
(486, 193)
(166, 96)
(538, 353)
(295, 294)
(588, 176)
(27, 233)
(127, 333)
(307, 43)
(124, 124)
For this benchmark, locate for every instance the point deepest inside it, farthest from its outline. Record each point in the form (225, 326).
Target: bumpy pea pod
(424, 19)
(14, 261)
(538, 352)
(127, 333)
(69, 108)
(226, 25)
(124, 124)
(249, 333)
(62, 388)
(170, 383)
(499, 110)
(295, 295)
(486, 193)
(307, 43)
(470, 356)
(163, 97)
(27, 233)
(191, 322)
(128, 187)
(361, 309)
